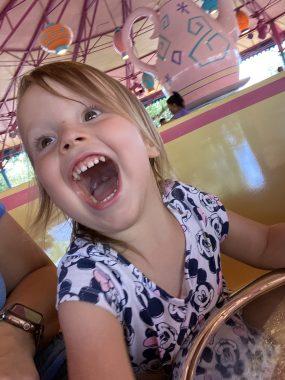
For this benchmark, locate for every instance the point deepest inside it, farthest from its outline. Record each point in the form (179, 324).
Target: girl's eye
(43, 142)
(91, 114)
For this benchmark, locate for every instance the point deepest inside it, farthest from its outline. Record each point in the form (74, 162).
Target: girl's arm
(255, 243)
(94, 342)
(30, 278)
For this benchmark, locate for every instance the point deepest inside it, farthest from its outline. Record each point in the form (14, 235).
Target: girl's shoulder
(194, 204)
(191, 196)
(92, 272)
(82, 250)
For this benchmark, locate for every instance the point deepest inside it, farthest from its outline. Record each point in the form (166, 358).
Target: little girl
(143, 270)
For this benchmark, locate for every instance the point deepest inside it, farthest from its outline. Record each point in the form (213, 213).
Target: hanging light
(243, 21)
(262, 29)
(118, 43)
(13, 130)
(210, 6)
(56, 38)
(137, 88)
(148, 81)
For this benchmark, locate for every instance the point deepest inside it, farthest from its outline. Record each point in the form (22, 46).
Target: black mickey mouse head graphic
(203, 294)
(152, 306)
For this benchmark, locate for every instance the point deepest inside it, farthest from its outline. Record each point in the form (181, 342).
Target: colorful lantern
(148, 81)
(243, 21)
(210, 6)
(56, 38)
(118, 43)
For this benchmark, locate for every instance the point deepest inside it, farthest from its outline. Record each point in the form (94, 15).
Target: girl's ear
(152, 150)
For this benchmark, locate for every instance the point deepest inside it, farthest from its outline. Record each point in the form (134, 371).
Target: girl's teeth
(110, 196)
(76, 176)
(87, 165)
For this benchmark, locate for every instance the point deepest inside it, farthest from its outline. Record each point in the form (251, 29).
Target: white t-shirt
(158, 327)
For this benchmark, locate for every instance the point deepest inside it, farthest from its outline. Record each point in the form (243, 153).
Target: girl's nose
(70, 139)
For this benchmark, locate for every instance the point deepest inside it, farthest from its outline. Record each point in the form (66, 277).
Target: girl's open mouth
(97, 178)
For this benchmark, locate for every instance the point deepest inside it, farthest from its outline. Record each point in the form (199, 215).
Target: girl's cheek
(42, 172)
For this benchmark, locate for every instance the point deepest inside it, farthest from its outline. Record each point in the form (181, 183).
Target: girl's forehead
(39, 107)
(60, 90)
(36, 99)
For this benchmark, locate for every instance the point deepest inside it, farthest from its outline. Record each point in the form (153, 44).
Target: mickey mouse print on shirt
(158, 328)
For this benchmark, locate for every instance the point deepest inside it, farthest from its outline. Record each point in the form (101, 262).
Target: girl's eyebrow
(75, 100)
(32, 125)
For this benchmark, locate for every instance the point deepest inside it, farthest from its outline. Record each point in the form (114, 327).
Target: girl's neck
(157, 250)
(156, 231)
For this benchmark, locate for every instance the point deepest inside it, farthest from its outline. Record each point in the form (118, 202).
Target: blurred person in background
(176, 106)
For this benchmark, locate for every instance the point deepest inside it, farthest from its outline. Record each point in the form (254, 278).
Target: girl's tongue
(100, 181)
(101, 188)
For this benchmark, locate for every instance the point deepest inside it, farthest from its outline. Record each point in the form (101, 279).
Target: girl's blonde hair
(110, 96)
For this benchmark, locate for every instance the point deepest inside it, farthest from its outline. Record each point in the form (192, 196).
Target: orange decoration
(118, 43)
(243, 21)
(56, 38)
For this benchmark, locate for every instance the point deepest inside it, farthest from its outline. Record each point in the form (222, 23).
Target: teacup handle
(126, 36)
